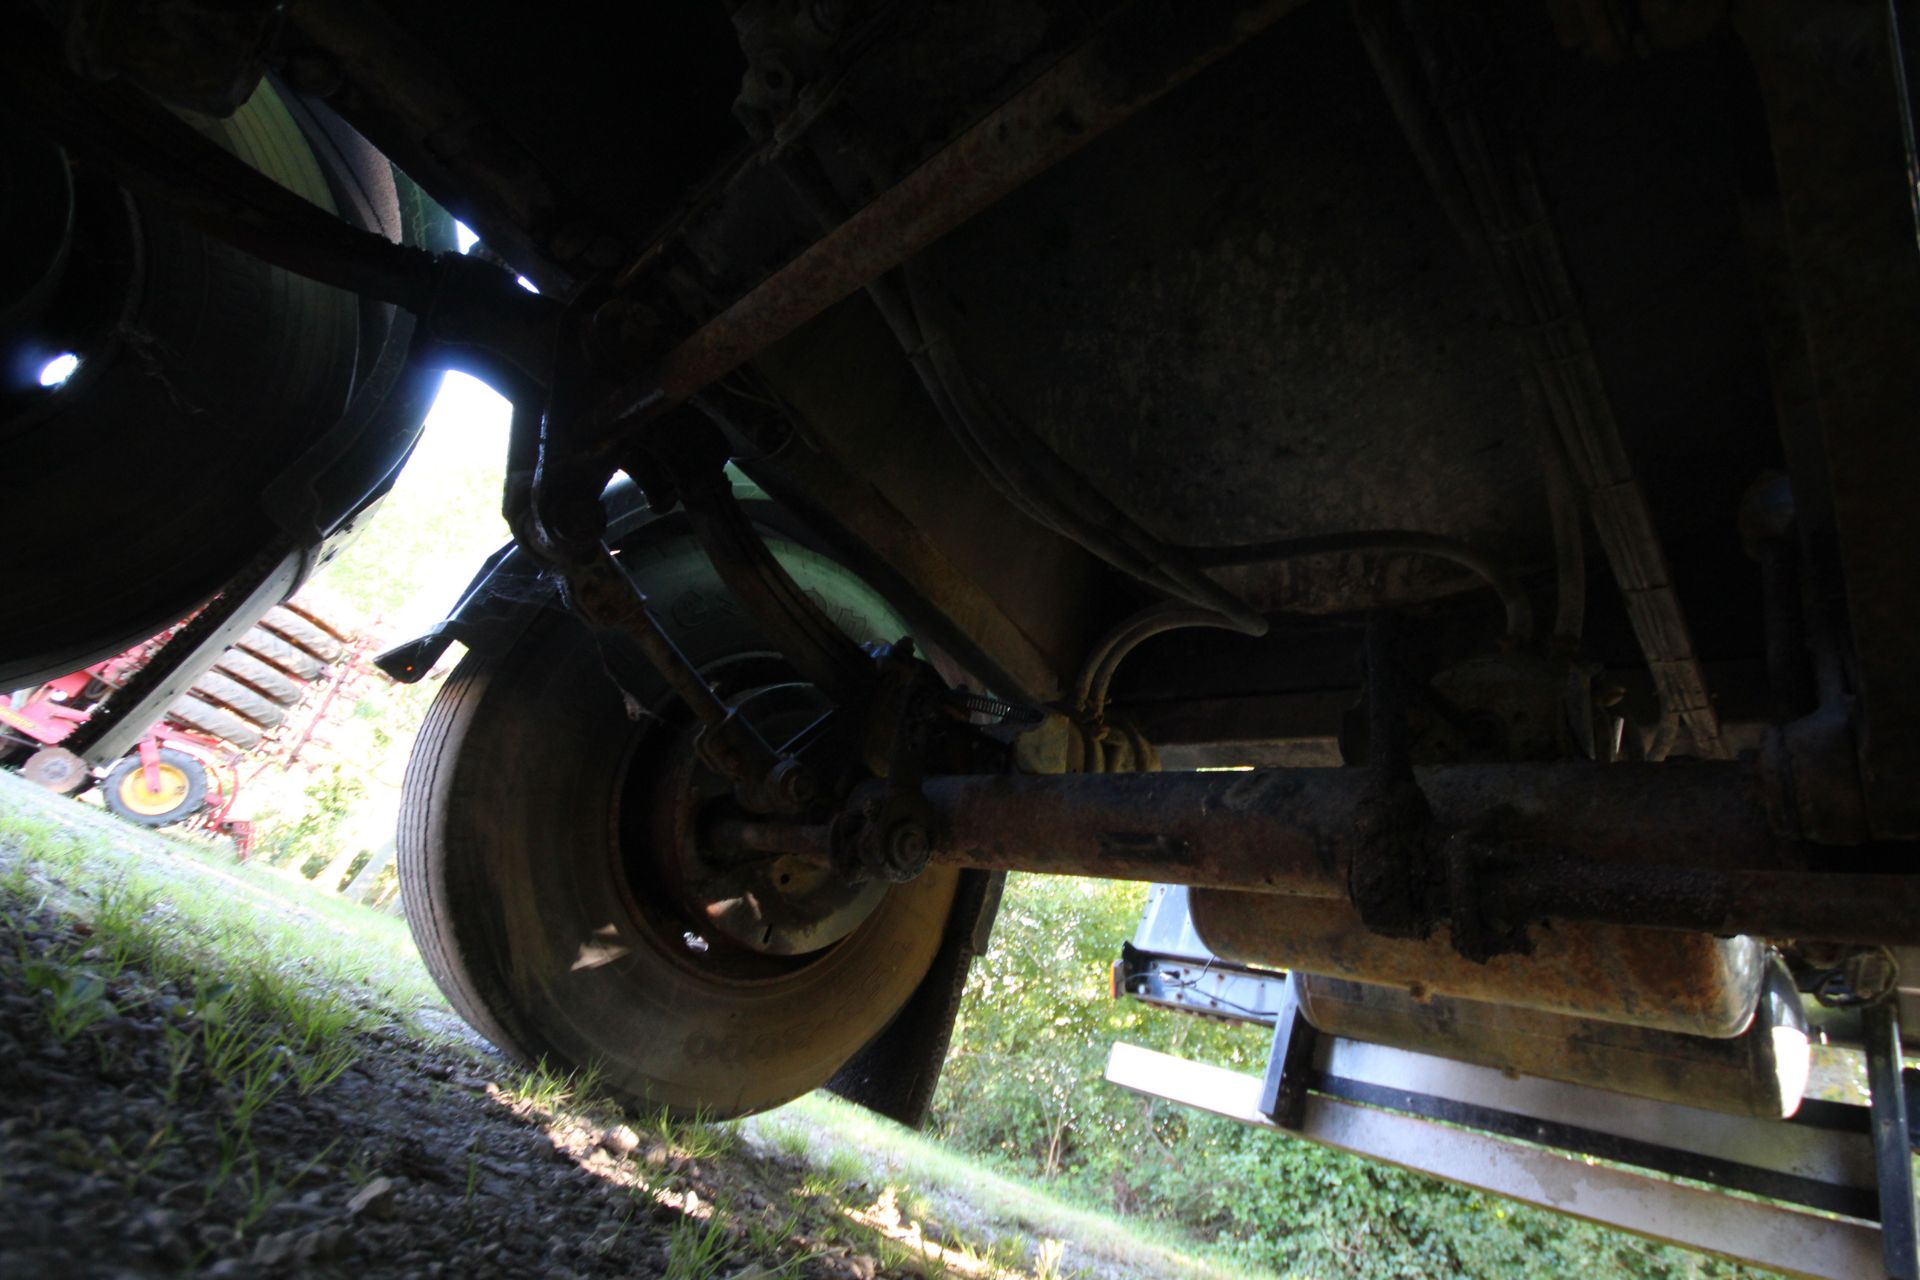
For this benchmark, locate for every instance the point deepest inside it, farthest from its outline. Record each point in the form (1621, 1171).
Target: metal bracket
(615, 607)
(1283, 1093)
(1892, 1141)
(1400, 1123)
(799, 628)
(125, 717)
(1387, 876)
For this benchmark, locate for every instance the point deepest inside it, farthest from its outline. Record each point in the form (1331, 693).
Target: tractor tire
(216, 722)
(281, 653)
(238, 698)
(309, 635)
(182, 793)
(533, 876)
(263, 677)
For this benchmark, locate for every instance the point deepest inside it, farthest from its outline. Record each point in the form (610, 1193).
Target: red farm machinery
(259, 698)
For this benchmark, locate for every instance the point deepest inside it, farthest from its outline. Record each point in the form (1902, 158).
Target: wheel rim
(711, 923)
(172, 791)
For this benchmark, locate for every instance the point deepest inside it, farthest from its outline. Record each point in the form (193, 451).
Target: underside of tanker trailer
(1433, 482)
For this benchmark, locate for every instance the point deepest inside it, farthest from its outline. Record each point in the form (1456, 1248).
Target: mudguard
(511, 588)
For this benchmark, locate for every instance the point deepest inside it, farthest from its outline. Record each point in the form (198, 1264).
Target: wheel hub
(55, 768)
(151, 802)
(786, 904)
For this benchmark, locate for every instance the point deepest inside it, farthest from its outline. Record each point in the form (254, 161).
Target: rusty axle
(1296, 831)
(1671, 846)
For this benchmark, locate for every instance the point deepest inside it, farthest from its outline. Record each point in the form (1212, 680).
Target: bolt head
(907, 849)
(798, 785)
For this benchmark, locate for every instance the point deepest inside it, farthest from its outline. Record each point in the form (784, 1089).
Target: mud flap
(895, 1073)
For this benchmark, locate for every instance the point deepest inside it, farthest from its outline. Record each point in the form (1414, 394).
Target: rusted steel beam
(1294, 831)
(1267, 831)
(1866, 909)
(1143, 51)
(1675, 846)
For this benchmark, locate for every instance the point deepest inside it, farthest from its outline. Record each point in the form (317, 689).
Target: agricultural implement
(187, 764)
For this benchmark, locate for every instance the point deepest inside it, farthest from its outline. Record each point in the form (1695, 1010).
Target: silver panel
(1166, 926)
(1843, 1159)
(1750, 1231)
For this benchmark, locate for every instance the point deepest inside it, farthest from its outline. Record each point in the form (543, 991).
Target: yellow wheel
(180, 791)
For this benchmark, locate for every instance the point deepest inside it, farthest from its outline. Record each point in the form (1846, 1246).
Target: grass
(266, 1010)
(282, 986)
(294, 955)
(543, 1088)
(75, 998)
(700, 1247)
(846, 1145)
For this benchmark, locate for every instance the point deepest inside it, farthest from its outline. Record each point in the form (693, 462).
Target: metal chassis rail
(1764, 1234)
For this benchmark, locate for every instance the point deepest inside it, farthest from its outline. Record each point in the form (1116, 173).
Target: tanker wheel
(182, 789)
(552, 873)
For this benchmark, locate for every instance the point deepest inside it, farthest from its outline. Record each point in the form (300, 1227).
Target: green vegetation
(417, 553)
(1023, 1089)
(995, 1215)
(251, 1013)
(700, 1248)
(256, 961)
(230, 927)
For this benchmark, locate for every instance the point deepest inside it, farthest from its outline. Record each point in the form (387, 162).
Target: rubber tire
(511, 807)
(203, 717)
(196, 797)
(284, 654)
(222, 372)
(238, 698)
(261, 676)
(295, 629)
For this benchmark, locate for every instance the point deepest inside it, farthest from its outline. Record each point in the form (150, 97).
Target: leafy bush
(1023, 1086)
(312, 834)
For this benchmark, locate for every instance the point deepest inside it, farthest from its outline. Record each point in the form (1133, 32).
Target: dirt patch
(125, 1152)
(198, 1078)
